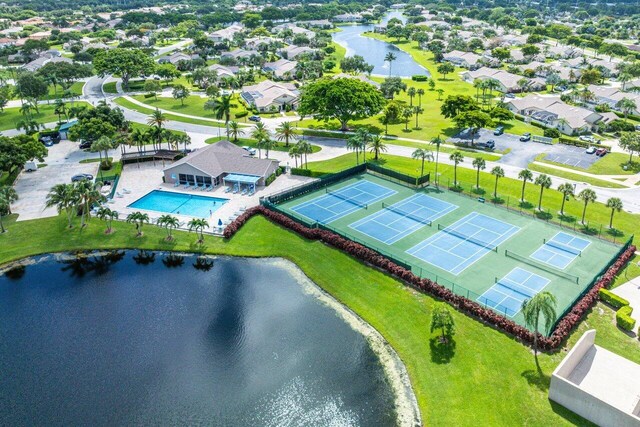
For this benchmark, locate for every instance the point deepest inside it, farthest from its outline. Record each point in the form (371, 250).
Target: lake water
(158, 339)
(374, 51)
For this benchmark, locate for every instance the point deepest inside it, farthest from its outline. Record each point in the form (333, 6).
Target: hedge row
(584, 144)
(612, 299)
(560, 333)
(624, 319)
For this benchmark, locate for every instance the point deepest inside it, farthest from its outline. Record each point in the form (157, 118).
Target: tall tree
(343, 99)
(127, 63)
(615, 204)
(498, 172)
(377, 146)
(587, 196)
(544, 181)
(479, 164)
(390, 57)
(422, 155)
(221, 108)
(65, 198)
(456, 157)
(437, 141)
(198, 225)
(169, 223)
(138, 219)
(441, 319)
(566, 190)
(107, 215)
(543, 303)
(525, 175)
(8, 195)
(286, 132)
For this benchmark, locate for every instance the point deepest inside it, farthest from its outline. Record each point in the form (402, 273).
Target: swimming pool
(179, 203)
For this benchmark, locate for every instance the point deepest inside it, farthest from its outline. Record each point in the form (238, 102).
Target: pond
(374, 51)
(128, 337)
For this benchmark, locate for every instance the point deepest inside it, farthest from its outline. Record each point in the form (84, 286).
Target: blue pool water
(179, 203)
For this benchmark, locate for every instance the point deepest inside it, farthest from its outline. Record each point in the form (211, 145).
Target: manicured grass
(76, 90)
(630, 272)
(573, 176)
(193, 106)
(135, 107)
(144, 127)
(247, 142)
(8, 178)
(484, 375)
(509, 190)
(431, 122)
(611, 164)
(11, 116)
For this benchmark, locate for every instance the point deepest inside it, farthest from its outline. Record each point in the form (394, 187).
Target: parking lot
(62, 163)
(572, 156)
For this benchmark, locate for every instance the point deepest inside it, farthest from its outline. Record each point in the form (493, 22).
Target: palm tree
(525, 175)
(304, 148)
(480, 164)
(260, 134)
(498, 172)
(411, 92)
(407, 113)
(102, 144)
(157, 120)
(353, 143)
(65, 198)
(417, 111)
(390, 57)
(566, 190)
(169, 223)
(198, 225)
(587, 195)
(377, 146)
(615, 204)
(138, 218)
(627, 106)
(8, 195)
(88, 194)
(60, 109)
(422, 154)
(183, 139)
(544, 181)
(456, 157)
(107, 215)
(268, 144)
(437, 141)
(234, 130)
(221, 108)
(492, 84)
(542, 303)
(295, 153)
(420, 93)
(286, 132)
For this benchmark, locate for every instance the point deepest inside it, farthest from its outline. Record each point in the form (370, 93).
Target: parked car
(601, 152)
(255, 118)
(49, 136)
(510, 96)
(252, 151)
(85, 145)
(82, 177)
(499, 130)
(638, 127)
(586, 138)
(591, 150)
(525, 137)
(48, 142)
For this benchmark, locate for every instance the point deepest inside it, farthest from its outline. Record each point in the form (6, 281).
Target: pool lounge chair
(209, 187)
(251, 192)
(244, 192)
(125, 191)
(235, 190)
(227, 190)
(119, 195)
(187, 185)
(176, 184)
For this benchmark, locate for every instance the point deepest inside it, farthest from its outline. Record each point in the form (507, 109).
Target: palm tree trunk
(495, 189)
(540, 199)
(584, 211)
(437, 156)
(422, 169)
(2, 230)
(522, 195)
(564, 198)
(611, 219)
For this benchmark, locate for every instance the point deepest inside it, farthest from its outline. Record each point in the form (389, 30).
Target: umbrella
(219, 222)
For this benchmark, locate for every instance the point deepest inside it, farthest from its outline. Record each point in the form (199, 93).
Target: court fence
(513, 204)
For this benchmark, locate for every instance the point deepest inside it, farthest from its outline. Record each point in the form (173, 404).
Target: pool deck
(140, 179)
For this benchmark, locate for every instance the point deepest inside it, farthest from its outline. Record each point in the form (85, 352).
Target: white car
(591, 150)
(586, 138)
(252, 151)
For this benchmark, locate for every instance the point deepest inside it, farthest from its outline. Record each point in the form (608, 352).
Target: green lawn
(509, 189)
(11, 116)
(247, 142)
(131, 106)
(431, 122)
(611, 164)
(485, 376)
(193, 106)
(573, 176)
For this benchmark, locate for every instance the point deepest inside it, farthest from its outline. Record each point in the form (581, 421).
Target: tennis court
(460, 245)
(403, 218)
(561, 250)
(343, 201)
(507, 294)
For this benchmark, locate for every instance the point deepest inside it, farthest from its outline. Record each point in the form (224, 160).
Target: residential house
(39, 62)
(611, 96)
(225, 34)
(176, 57)
(224, 70)
(348, 17)
(294, 29)
(292, 51)
(282, 69)
(255, 43)
(271, 96)
(508, 82)
(467, 60)
(239, 54)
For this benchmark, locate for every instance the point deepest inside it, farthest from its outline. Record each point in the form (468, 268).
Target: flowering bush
(369, 256)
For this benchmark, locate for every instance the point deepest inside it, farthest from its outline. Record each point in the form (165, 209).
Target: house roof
(266, 92)
(225, 157)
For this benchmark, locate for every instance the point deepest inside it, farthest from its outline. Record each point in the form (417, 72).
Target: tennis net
(541, 266)
(516, 287)
(562, 247)
(346, 199)
(409, 215)
(473, 240)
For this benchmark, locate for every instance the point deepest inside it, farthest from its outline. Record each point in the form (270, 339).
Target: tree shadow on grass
(479, 191)
(544, 215)
(537, 378)
(498, 200)
(567, 218)
(442, 353)
(525, 205)
(592, 231)
(615, 232)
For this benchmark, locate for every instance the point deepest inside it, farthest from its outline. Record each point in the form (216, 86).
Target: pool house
(222, 163)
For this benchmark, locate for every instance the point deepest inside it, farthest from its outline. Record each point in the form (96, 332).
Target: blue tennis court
(507, 294)
(343, 201)
(560, 250)
(402, 218)
(463, 243)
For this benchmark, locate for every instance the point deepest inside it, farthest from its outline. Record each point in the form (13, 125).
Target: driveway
(32, 187)
(572, 156)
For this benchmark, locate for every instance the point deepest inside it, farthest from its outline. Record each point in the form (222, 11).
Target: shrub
(551, 133)
(578, 143)
(149, 95)
(241, 114)
(612, 299)
(270, 178)
(618, 125)
(301, 172)
(419, 78)
(369, 256)
(624, 319)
